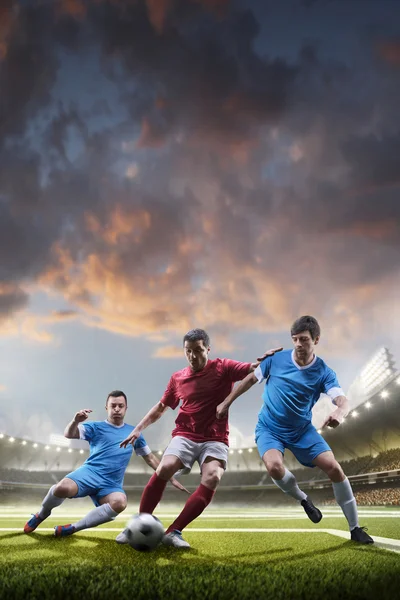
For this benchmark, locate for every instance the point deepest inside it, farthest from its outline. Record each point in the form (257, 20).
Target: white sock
(345, 498)
(50, 501)
(289, 485)
(97, 516)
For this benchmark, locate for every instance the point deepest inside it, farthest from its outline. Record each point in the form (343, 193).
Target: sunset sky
(170, 164)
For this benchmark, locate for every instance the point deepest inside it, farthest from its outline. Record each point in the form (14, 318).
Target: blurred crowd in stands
(380, 497)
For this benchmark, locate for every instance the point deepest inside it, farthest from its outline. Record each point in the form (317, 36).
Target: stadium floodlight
(70, 450)
(80, 451)
(250, 449)
(159, 452)
(11, 439)
(34, 445)
(47, 447)
(354, 413)
(23, 442)
(377, 372)
(384, 394)
(240, 451)
(1, 435)
(58, 449)
(397, 381)
(231, 452)
(56, 439)
(368, 405)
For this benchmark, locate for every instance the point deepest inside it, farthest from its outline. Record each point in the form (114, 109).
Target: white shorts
(188, 452)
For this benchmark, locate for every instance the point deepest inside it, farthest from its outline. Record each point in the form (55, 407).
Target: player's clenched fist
(131, 439)
(82, 415)
(222, 410)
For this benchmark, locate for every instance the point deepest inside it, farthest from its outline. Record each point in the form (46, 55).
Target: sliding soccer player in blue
(101, 476)
(294, 381)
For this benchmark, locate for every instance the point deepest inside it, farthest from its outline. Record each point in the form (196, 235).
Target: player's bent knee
(65, 489)
(334, 471)
(118, 505)
(166, 471)
(211, 480)
(275, 469)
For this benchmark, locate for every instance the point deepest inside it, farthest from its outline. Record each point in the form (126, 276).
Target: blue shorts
(306, 448)
(91, 484)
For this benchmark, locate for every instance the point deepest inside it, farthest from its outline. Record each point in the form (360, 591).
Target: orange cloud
(157, 11)
(73, 8)
(8, 20)
(149, 136)
(168, 352)
(390, 52)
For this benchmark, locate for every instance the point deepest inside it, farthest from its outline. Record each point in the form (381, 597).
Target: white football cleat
(175, 539)
(122, 537)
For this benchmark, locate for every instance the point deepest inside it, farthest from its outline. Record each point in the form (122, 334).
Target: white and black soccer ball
(144, 532)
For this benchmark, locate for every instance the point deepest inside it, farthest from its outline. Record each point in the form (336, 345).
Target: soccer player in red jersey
(198, 435)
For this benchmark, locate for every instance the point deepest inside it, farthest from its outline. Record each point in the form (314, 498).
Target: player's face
(116, 409)
(196, 354)
(304, 346)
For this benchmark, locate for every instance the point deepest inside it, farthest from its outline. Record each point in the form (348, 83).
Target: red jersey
(200, 393)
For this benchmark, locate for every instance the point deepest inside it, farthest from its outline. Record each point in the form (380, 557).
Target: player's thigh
(117, 501)
(327, 462)
(267, 441)
(168, 466)
(66, 488)
(180, 454)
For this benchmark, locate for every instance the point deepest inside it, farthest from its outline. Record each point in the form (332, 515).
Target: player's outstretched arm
(153, 462)
(71, 431)
(152, 416)
(241, 388)
(271, 352)
(336, 418)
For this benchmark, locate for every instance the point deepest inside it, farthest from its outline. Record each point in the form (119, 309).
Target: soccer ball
(144, 532)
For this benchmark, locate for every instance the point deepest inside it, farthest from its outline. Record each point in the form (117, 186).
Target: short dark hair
(117, 394)
(195, 335)
(306, 323)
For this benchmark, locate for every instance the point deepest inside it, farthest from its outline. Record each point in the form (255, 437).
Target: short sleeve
(140, 446)
(170, 396)
(87, 430)
(236, 370)
(263, 369)
(330, 385)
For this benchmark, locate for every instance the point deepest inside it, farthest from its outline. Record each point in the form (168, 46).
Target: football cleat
(312, 512)
(33, 522)
(358, 534)
(175, 539)
(64, 530)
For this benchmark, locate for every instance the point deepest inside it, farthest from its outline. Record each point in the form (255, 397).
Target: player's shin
(50, 501)
(152, 494)
(288, 484)
(194, 506)
(97, 516)
(345, 498)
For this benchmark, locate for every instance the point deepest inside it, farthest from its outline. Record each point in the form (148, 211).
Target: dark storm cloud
(245, 174)
(12, 298)
(200, 75)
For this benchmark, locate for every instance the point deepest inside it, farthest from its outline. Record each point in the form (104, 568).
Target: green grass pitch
(220, 565)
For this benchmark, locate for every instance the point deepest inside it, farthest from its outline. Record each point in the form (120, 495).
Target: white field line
(214, 516)
(381, 542)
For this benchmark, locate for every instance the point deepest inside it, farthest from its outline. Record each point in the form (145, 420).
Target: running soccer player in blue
(101, 475)
(294, 381)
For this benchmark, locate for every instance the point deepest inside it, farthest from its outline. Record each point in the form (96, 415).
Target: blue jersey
(291, 391)
(106, 457)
